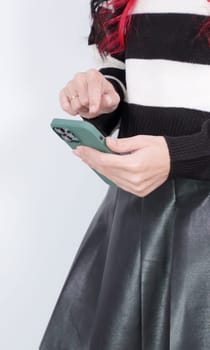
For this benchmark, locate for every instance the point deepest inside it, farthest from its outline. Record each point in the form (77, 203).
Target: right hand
(92, 89)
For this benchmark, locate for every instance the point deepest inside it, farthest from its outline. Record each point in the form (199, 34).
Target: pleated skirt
(140, 279)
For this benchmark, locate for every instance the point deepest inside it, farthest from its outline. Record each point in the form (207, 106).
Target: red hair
(205, 29)
(115, 40)
(111, 24)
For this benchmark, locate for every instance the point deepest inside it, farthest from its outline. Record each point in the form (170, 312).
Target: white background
(48, 196)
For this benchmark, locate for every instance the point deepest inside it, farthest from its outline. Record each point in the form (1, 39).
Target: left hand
(141, 171)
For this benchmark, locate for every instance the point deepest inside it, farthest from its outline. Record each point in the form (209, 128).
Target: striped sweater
(163, 79)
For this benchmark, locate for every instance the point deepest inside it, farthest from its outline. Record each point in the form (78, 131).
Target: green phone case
(81, 132)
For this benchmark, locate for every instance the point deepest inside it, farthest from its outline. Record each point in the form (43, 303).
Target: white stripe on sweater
(201, 7)
(165, 83)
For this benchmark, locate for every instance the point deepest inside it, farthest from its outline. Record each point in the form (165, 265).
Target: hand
(141, 171)
(95, 95)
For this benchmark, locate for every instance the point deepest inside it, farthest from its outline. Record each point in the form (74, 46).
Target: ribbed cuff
(190, 154)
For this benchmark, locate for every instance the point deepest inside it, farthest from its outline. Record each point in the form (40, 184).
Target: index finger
(95, 89)
(106, 160)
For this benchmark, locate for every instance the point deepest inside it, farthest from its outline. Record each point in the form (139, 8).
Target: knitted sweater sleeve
(113, 68)
(190, 154)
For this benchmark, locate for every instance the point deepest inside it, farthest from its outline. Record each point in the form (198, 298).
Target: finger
(115, 177)
(72, 95)
(107, 160)
(64, 101)
(81, 86)
(132, 163)
(94, 82)
(75, 103)
(110, 95)
(91, 161)
(129, 144)
(124, 179)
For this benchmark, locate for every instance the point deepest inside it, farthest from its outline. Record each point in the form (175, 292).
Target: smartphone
(81, 132)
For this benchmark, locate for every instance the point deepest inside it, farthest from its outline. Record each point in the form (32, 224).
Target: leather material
(141, 276)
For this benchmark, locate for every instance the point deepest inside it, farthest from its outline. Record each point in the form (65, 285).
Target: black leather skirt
(140, 279)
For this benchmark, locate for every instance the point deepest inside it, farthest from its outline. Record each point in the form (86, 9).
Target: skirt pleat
(141, 276)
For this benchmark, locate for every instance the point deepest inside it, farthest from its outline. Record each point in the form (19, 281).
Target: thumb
(128, 144)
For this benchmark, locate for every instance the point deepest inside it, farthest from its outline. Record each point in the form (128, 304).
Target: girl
(141, 276)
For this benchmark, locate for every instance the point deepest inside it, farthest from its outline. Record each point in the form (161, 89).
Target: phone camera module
(66, 134)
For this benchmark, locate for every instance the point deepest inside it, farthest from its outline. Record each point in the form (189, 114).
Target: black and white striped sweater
(163, 78)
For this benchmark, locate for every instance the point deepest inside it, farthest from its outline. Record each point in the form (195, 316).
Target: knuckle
(143, 193)
(134, 165)
(136, 180)
(78, 75)
(69, 84)
(72, 111)
(74, 106)
(77, 103)
(140, 194)
(84, 100)
(92, 71)
(93, 75)
(77, 110)
(140, 189)
(116, 97)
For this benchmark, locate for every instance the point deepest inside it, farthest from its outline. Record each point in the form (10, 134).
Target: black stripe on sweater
(171, 121)
(115, 72)
(171, 36)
